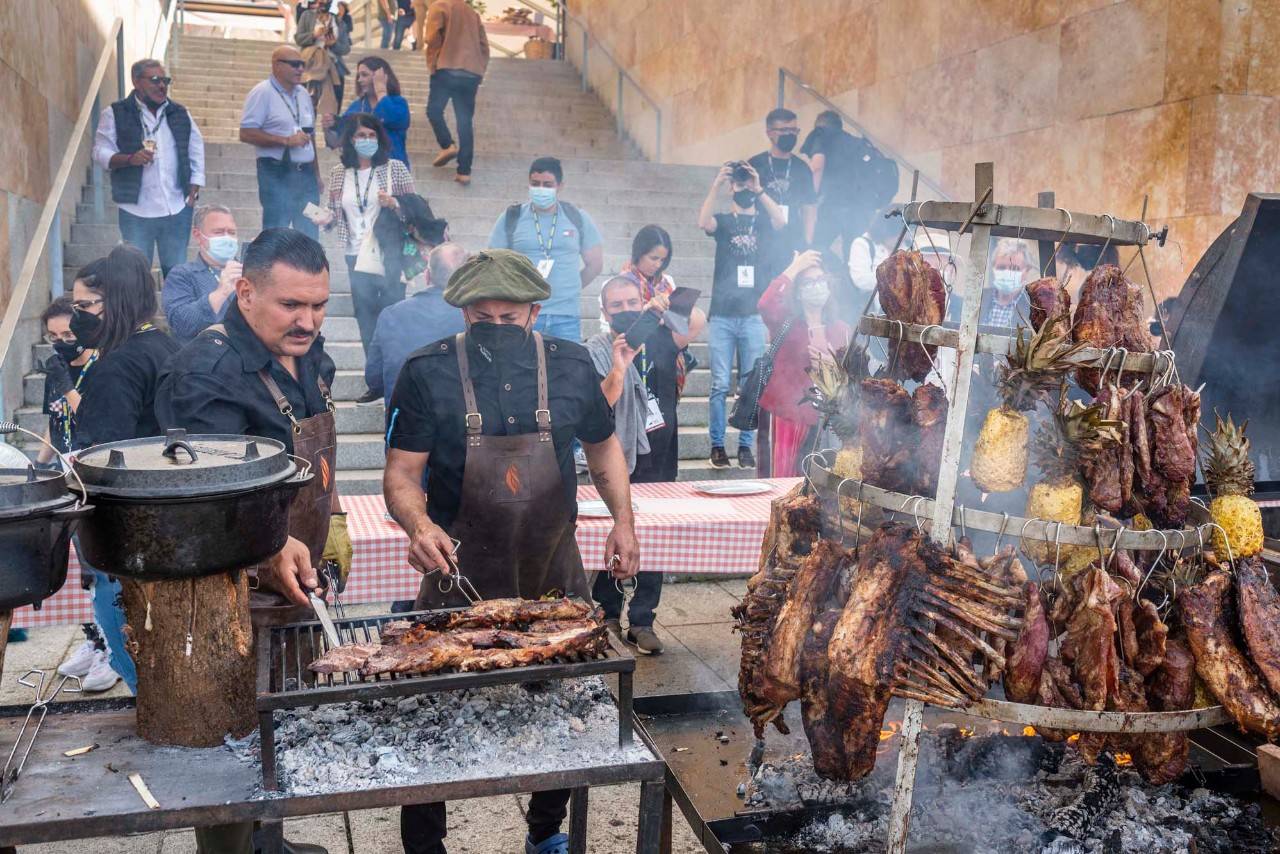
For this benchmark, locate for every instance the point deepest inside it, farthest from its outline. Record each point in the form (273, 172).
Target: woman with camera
(738, 281)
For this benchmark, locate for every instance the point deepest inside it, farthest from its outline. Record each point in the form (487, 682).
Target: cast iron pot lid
(30, 491)
(180, 466)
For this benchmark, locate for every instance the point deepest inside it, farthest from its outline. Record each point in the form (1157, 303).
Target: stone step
(539, 140)
(212, 110)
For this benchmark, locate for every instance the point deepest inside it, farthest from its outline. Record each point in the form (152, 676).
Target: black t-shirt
(789, 182)
(117, 397)
(740, 242)
(427, 410)
(212, 385)
(844, 155)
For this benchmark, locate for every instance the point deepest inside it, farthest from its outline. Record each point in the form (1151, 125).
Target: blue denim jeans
(565, 326)
(745, 337)
(108, 613)
(166, 235)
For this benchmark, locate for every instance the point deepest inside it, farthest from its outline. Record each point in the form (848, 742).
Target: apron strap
(542, 414)
(473, 420)
(282, 402)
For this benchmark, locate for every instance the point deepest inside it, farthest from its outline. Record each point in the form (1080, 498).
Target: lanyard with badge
(653, 416)
(545, 265)
(362, 200)
(149, 131)
(781, 187)
(294, 110)
(746, 272)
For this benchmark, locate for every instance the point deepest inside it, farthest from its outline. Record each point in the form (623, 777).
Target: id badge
(544, 267)
(654, 420)
(746, 276)
(786, 213)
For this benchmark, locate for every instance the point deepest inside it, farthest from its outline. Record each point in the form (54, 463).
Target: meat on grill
(795, 526)
(1049, 301)
(1103, 470)
(1170, 688)
(1166, 492)
(929, 412)
(345, 658)
(886, 641)
(1152, 635)
(1090, 644)
(506, 613)
(1026, 662)
(913, 292)
(1109, 315)
(779, 679)
(886, 433)
(1207, 616)
(1260, 618)
(821, 727)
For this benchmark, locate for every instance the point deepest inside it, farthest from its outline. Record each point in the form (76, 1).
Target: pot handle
(304, 466)
(171, 450)
(78, 511)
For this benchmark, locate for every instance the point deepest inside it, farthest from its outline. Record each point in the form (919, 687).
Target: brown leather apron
(315, 440)
(514, 523)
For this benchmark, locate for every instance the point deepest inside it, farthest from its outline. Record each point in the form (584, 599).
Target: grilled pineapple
(1229, 473)
(1035, 367)
(1058, 446)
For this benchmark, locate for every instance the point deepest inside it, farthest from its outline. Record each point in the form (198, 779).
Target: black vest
(126, 183)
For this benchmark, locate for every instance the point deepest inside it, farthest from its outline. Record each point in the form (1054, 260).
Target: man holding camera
(787, 180)
(738, 279)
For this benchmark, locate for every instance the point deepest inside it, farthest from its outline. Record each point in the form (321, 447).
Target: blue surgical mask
(1006, 281)
(542, 197)
(223, 247)
(366, 147)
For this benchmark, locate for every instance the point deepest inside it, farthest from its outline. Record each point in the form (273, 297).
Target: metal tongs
(329, 581)
(41, 706)
(454, 577)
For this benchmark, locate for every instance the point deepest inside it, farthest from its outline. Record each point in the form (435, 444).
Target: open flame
(1123, 759)
(894, 729)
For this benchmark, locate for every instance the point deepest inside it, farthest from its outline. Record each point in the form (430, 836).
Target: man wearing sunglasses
(279, 121)
(155, 154)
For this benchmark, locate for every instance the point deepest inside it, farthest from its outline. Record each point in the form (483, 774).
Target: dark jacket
(126, 183)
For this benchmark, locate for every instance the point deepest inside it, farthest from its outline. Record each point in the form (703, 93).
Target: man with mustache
(263, 371)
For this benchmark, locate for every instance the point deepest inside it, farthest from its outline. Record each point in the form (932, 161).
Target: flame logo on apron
(512, 479)
(324, 472)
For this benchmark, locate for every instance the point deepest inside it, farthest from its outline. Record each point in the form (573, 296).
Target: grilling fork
(39, 709)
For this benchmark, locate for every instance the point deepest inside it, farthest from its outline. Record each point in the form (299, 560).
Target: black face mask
(500, 339)
(786, 142)
(623, 320)
(744, 198)
(87, 328)
(67, 351)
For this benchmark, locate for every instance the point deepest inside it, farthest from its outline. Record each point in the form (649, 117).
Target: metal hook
(1112, 220)
(1225, 542)
(1061, 240)
(933, 362)
(1004, 523)
(964, 531)
(840, 506)
(1022, 535)
(1164, 547)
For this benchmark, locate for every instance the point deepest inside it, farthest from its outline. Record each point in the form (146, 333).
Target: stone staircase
(525, 109)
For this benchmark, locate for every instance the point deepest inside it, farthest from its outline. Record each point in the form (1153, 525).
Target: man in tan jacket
(457, 55)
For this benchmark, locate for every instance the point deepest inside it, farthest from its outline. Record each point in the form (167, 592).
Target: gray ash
(469, 734)
(1001, 795)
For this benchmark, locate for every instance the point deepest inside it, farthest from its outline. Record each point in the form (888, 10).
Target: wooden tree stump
(192, 701)
(6, 620)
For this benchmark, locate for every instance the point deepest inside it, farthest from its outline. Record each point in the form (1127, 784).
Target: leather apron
(315, 439)
(514, 523)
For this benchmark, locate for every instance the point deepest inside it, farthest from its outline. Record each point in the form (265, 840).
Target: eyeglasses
(86, 304)
(158, 79)
(293, 63)
(65, 338)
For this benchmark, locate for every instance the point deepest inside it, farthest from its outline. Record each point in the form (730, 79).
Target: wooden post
(6, 620)
(192, 700)
(948, 478)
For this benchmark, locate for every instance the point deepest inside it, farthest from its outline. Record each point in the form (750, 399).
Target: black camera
(741, 174)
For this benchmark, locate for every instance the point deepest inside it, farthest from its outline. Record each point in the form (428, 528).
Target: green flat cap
(496, 274)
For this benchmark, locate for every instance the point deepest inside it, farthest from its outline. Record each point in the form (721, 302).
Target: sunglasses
(86, 304)
(158, 79)
(293, 63)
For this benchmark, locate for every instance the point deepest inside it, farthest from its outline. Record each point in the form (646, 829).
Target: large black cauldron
(37, 518)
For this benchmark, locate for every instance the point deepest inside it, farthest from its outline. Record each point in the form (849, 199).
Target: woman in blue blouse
(377, 92)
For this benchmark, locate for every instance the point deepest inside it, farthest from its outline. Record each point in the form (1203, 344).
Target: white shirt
(864, 256)
(159, 194)
(269, 108)
(357, 185)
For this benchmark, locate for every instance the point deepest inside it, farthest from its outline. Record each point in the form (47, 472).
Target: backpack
(878, 175)
(513, 217)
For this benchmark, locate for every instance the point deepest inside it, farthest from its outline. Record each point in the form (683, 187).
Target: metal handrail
(785, 74)
(622, 76)
(50, 214)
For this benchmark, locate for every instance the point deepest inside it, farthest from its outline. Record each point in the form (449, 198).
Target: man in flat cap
(495, 411)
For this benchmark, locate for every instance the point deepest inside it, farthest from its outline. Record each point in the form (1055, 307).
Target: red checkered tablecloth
(680, 530)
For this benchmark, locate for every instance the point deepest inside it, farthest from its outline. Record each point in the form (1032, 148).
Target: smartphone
(683, 300)
(642, 329)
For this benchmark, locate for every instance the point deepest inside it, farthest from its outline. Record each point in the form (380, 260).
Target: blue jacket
(185, 297)
(409, 325)
(393, 110)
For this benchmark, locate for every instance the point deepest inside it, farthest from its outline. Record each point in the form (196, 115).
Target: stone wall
(1102, 102)
(48, 51)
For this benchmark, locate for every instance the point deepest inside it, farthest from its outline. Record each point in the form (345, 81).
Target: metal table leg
(649, 836)
(665, 842)
(270, 837)
(578, 821)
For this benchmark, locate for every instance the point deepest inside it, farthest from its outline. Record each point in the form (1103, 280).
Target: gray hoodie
(632, 408)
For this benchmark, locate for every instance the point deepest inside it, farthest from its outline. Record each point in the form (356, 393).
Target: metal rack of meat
(285, 680)
(985, 220)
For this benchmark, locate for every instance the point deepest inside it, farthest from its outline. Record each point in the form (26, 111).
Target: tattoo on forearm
(599, 478)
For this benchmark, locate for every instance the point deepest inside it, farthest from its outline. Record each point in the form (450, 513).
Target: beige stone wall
(48, 50)
(1102, 102)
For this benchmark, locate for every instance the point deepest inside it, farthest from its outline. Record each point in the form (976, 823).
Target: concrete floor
(701, 655)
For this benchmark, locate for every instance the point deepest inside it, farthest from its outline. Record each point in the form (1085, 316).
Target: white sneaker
(80, 661)
(100, 676)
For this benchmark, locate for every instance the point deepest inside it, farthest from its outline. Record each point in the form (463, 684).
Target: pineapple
(1058, 446)
(1229, 474)
(1036, 366)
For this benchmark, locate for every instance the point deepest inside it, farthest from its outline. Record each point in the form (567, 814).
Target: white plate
(731, 487)
(597, 509)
